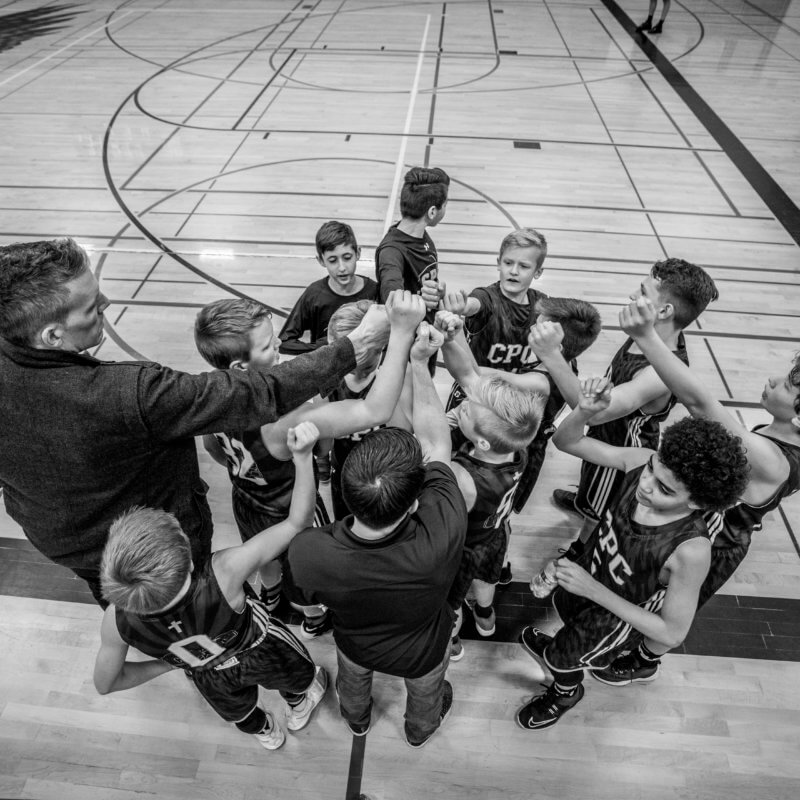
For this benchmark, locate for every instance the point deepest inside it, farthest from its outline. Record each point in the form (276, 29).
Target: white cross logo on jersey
(176, 625)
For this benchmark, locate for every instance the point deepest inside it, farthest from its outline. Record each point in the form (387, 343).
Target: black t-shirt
(313, 311)
(403, 262)
(388, 598)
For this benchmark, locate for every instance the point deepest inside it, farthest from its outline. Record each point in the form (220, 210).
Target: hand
(575, 579)
(595, 395)
(428, 341)
(455, 302)
(371, 335)
(431, 292)
(638, 318)
(405, 310)
(449, 324)
(545, 338)
(301, 439)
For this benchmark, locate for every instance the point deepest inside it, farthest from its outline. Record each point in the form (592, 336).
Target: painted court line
(401, 156)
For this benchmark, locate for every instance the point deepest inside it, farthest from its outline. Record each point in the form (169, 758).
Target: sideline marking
(401, 156)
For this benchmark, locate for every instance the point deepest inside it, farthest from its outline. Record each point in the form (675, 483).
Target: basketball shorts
(278, 662)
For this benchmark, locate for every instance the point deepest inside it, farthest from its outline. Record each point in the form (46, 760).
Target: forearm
(459, 360)
(304, 492)
(472, 307)
(570, 432)
(428, 419)
(134, 673)
(677, 376)
(390, 277)
(565, 379)
(646, 622)
(385, 392)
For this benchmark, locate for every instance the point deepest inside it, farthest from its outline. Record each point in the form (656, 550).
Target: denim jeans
(423, 701)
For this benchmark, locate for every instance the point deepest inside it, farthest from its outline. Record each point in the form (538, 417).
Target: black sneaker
(505, 575)
(316, 626)
(548, 708)
(565, 500)
(628, 669)
(534, 641)
(644, 27)
(447, 704)
(658, 27)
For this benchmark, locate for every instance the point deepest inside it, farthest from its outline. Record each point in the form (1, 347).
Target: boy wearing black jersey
(207, 622)
(644, 563)
(773, 453)
(338, 252)
(640, 401)
(238, 333)
(494, 425)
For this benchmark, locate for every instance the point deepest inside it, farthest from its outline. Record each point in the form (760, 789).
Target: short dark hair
(579, 320)
(222, 329)
(708, 460)
(331, 234)
(688, 287)
(146, 560)
(382, 476)
(33, 278)
(423, 188)
(794, 379)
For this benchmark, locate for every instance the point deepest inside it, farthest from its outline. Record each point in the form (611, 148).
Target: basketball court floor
(194, 147)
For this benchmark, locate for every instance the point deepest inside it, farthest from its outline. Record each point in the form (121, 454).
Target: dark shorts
(598, 486)
(253, 516)
(724, 561)
(483, 562)
(279, 662)
(591, 638)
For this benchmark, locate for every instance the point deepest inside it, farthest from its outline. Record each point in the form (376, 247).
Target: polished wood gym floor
(194, 147)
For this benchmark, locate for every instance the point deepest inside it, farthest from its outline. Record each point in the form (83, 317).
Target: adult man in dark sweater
(385, 572)
(84, 440)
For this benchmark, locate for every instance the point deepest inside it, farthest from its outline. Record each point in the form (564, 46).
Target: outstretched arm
(688, 567)
(427, 416)
(637, 320)
(405, 310)
(235, 564)
(458, 358)
(112, 673)
(545, 340)
(570, 436)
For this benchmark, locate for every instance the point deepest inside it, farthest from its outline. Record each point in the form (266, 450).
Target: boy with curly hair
(643, 565)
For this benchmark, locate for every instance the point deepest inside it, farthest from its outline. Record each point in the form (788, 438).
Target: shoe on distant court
(534, 641)
(505, 575)
(658, 28)
(548, 708)
(271, 597)
(456, 649)
(565, 500)
(644, 27)
(447, 704)
(311, 628)
(484, 625)
(628, 669)
(273, 737)
(299, 716)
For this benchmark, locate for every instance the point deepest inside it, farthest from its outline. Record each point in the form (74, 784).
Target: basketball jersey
(255, 471)
(495, 486)
(636, 429)
(201, 631)
(734, 527)
(344, 444)
(627, 557)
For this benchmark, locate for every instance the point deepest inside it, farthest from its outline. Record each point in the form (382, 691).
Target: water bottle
(543, 583)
